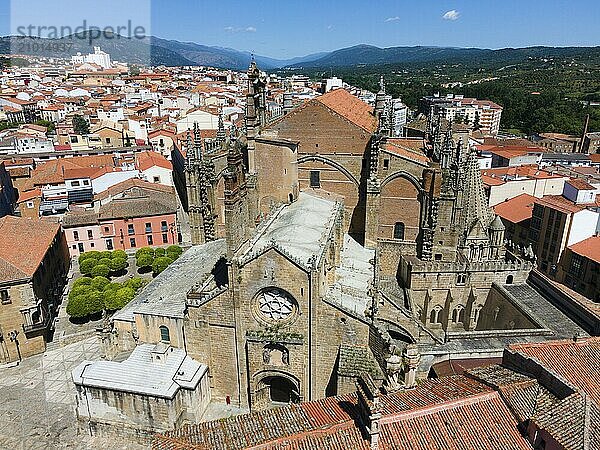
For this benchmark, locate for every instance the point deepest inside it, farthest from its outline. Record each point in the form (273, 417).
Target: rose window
(276, 304)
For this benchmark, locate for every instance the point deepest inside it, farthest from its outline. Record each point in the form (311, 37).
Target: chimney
(369, 407)
(411, 362)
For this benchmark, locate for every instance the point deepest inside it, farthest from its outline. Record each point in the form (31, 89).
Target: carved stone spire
(197, 142)
(221, 134)
(475, 206)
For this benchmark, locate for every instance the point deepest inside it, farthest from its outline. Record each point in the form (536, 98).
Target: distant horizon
(362, 44)
(288, 30)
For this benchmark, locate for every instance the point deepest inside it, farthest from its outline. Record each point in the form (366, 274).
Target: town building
(128, 215)
(503, 183)
(579, 267)
(34, 261)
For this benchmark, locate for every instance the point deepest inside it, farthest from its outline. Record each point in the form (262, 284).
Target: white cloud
(231, 29)
(451, 15)
(392, 19)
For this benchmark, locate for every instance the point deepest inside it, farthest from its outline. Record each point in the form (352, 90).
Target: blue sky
(287, 28)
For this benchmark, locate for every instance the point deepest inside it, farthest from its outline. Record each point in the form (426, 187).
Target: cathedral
(325, 248)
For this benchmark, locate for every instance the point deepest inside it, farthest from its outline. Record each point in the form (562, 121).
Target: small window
(399, 231)
(163, 226)
(130, 229)
(30, 205)
(76, 235)
(92, 245)
(106, 229)
(150, 241)
(109, 244)
(80, 247)
(108, 140)
(165, 238)
(156, 179)
(4, 297)
(315, 179)
(90, 234)
(438, 256)
(148, 227)
(132, 242)
(86, 182)
(386, 164)
(509, 279)
(74, 183)
(165, 336)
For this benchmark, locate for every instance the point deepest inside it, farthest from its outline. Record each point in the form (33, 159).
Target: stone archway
(274, 388)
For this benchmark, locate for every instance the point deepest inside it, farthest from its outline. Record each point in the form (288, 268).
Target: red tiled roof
(24, 244)
(29, 195)
(578, 362)
(516, 209)
(559, 203)
(350, 107)
(407, 148)
(525, 171)
(457, 412)
(581, 185)
(590, 248)
(146, 160)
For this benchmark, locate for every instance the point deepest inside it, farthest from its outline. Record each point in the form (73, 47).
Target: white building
(98, 57)
(333, 83)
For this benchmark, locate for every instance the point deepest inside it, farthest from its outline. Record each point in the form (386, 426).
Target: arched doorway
(275, 390)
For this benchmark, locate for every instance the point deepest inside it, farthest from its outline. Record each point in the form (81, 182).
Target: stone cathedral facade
(326, 248)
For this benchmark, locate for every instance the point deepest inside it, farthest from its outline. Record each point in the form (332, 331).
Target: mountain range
(156, 51)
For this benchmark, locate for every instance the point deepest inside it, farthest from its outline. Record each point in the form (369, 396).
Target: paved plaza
(37, 402)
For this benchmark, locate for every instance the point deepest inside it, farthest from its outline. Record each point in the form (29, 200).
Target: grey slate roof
(165, 295)
(139, 374)
(300, 229)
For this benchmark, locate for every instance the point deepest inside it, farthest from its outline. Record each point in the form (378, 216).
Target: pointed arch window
(435, 316)
(165, 335)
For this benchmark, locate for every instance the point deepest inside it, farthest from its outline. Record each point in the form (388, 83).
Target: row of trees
(92, 296)
(156, 259)
(103, 264)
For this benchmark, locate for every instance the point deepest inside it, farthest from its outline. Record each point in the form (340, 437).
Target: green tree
(82, 281)
(174, 249)
(144, 261)
(80, 125)
(106, 254)
(160, 264)
(89, 255)
(100, 270)
(105, 261)
(46, 123)
(135, 283)
(95, 302)
(119, 254)
(117, 264)
(99, 283)
(82, 289)
(77, 306)
(123, 296)
(109, 293)
(160, 252)
(145, 251)
(87, 266)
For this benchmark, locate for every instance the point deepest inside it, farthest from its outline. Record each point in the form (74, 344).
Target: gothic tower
(255, 116)
(200, 180)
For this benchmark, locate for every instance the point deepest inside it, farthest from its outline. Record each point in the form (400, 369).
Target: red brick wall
(398, 203)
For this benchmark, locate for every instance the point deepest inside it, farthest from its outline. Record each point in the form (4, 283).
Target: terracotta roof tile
(590, 248)
(516, 209)
(350, 107)
(24, 243)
